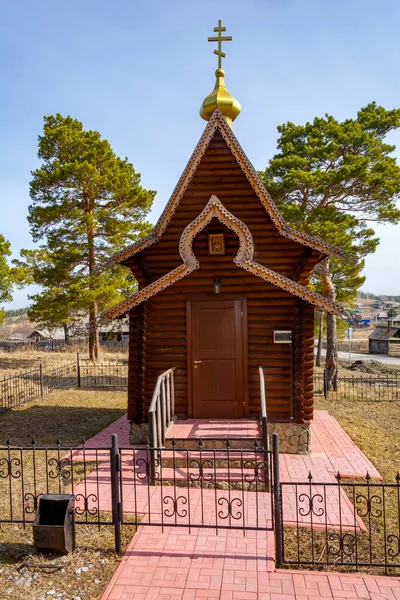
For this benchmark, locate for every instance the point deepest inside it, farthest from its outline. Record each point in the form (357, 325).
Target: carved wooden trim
(217, 122)
(298, 370)
(141, 344)
(243, 259)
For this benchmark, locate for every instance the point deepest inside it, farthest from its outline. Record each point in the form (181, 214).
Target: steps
(213, 454)
(221, 468)
(213, 443)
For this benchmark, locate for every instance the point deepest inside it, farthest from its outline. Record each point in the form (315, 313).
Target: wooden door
(216, 337)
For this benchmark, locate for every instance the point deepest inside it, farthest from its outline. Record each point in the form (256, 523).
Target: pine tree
(330, 179)
(9, 276)
(87, 203)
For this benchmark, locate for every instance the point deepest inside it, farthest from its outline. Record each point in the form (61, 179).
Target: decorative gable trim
(243, 259)
(217, 121)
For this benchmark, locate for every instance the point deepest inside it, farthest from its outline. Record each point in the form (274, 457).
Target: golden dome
(220, 98)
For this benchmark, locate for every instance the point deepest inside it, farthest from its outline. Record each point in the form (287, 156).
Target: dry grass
(374, 427)
(84, 574)
(69, 415)
(12, 363)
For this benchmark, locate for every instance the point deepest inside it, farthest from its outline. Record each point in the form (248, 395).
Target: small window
(282, 337)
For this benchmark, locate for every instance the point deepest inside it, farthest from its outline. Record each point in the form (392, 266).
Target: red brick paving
(215, 428)
(176, 564)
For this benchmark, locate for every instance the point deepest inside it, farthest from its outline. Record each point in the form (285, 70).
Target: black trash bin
(54, 524)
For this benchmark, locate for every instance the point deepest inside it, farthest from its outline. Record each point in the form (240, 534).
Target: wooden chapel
(222, 290)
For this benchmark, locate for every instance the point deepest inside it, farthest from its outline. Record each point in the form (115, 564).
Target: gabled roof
(243, 259)
(217, 122)
(54, 334)
(383, 333)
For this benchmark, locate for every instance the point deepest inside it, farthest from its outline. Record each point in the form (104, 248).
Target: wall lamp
(217, 285)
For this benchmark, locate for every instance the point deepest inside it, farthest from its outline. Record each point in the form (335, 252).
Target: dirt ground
(69, 415)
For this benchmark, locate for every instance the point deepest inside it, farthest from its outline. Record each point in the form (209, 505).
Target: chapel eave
(218, 122)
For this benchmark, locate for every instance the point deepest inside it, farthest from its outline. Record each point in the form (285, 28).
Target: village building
(115, 331)
(385, 339)
(223, 289)
(381, 317)
(45, 335)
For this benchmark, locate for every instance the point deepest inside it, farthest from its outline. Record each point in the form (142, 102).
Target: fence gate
(195, 487)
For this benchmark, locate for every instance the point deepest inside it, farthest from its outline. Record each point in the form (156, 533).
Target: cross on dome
(220, 38)
(220, 97)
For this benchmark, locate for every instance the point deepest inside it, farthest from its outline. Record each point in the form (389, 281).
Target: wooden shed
(385, 340)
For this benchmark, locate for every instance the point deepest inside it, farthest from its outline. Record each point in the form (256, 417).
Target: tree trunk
(319, 346)
(331, 360)
(93, 325)
(93, 333)
(66, 333)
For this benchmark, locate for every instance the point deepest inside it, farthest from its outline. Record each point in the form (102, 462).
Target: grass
(12, 363)
(373, 426)
(69, 415)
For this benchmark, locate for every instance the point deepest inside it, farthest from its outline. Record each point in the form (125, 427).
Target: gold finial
(220, 97)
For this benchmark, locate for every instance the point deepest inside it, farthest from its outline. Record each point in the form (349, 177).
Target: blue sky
(138, 72)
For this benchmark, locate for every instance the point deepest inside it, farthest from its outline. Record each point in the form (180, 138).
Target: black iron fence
(340, 523)
(183, 487)
(103, 376)
(317, 524)
(362, 387)
(39, 382)
(77, 345)
(27, 473)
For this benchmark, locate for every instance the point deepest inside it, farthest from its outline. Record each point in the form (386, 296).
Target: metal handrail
(162, 408)
(264, 418)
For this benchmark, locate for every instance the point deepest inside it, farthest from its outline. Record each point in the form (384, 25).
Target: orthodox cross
(220, 38)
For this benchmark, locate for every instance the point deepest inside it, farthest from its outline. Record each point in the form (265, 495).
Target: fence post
(277, 503)
(325, 383)
(78, 369)
(41, 380)
(115, 499)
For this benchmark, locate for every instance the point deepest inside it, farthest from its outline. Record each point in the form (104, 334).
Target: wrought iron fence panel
(341, 523)
(38, 382)
(27, 473)
(20, 388)
(104, 376)
(225, 488)
(368, 388)
(60, 378)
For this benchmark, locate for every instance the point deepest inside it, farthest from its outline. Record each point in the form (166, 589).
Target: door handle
(195, 363)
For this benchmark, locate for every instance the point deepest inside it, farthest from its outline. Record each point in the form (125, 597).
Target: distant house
(116, 331)
(381, 316)
(44, 335)
(377, 305)
(385, 340)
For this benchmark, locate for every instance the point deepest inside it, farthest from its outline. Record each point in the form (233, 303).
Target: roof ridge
(217, 121)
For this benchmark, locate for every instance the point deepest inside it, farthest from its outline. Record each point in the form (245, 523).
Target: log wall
(269, 307)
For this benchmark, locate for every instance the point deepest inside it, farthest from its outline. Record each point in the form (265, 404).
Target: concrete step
(213, 443)
(223, 479)
(218, 459)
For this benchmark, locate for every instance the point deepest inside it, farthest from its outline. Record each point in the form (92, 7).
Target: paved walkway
(171, 563)
(174, 565)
